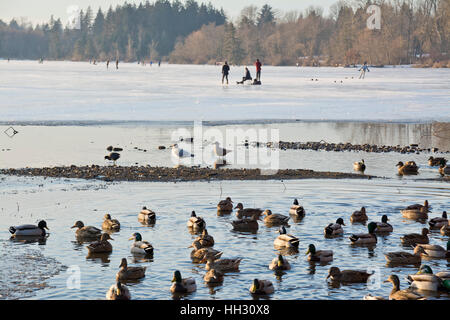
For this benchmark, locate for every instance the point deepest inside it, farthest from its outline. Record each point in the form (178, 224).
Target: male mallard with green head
(140, 246)
(279, 263)
(30, 230)
(365, 238)
(319, 255)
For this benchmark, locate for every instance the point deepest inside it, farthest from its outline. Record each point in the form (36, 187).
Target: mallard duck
(205, 239)
(285, 240)
(29, 230)
(413, 239)
(275, 219)
(222, 265)
(279, 263)
(444, 170)
(297, 210)
(424, 279)
(140, 246)
(86, 232)
(397, 294)
(147, 216)
(247, 212)
(225, 205)
(359, 216)
(350, 276)
(246, 224)
(445, 230)
(416, 211)
(262, 287)
(110, 224)
(213, 276)
(384, 226)
(402, 257)
(181, 285)
(320, 256)
(359, 166)
(118, 291)
(436, 251)
(334, 229)
(196, 223)
(439, 222)
(130, 273)
(365, 238)
(101, 246)
(409, 167)
(435, 162)
(200, 254)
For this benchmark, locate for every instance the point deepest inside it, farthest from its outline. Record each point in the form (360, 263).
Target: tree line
(412, 31)
(129, 32)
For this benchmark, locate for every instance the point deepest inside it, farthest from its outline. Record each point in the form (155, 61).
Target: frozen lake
(72, 91)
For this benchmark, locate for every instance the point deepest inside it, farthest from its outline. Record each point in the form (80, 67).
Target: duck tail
(353, 238)
(328, 231)
(12, 230)
(295, 242)
(148, 250)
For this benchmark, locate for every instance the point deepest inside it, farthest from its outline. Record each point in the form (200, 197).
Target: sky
(38, 11)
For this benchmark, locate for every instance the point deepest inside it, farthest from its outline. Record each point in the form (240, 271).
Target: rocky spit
(326, 146)
(165, 174)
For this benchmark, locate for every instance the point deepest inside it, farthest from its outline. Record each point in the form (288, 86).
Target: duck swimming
(435, 162)
(29, 230)
(402, 257)
(130, 273)
(413, 239)
(205, 239)
(181, 285)
(409, 167)
(348, 276)
(397, 294)
(247, 212)
(416, 211)
(262, 287)
(365, 238)
(118, 291)
(246, 224)
(101, 246)
(147, 216)
(276, 219)
(384, 226)
(140, 246)
(285, 240)
(110, 224)
(86, 232)
(200, 254)
(225, 205)
(439, 222)
(213, 277)
(279, 263)
(359, 166)
(297, 210)
(196, 223)
(334, 229)
(359, 216)
(424, 279)
(320, 255)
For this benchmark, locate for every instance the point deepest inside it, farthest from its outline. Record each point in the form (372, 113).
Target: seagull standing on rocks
(220, 152)
(180, 153)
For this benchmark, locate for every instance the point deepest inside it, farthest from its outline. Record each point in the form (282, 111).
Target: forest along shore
(165, 174)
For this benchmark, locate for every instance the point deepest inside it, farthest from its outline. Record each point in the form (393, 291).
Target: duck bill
(307, 252)
(328, 277)
(132, 238)
(73, 227)
(46, 228)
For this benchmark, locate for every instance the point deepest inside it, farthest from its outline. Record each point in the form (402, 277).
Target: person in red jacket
(258, 69)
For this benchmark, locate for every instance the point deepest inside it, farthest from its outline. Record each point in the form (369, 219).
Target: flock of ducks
(247, 219)
(410, 167)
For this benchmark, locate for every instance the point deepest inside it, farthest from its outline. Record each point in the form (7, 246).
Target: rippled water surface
(61, 202)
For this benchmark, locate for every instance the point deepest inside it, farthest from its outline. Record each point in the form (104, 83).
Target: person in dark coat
(225, 71)
(246, 77)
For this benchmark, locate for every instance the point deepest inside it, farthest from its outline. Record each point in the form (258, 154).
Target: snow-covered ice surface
(79, 91)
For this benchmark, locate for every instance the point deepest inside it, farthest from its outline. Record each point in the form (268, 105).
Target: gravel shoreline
(165, 174)
(322, 145)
